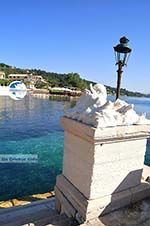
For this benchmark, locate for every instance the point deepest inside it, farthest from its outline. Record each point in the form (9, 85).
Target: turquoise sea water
(31, 126)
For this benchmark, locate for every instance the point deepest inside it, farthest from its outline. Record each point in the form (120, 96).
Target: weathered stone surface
(101, 166)
(146, 173)
(109, 134)
(72, 195)
(135, 215)
(87, 209)
(39, 213)
(140, 192)
(93, 208)
(96, 162)
(66, 206)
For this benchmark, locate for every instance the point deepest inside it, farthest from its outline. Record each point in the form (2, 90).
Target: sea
(31, 126)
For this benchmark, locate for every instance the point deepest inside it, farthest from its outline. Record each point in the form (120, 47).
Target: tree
(40, 84)
(74, 80)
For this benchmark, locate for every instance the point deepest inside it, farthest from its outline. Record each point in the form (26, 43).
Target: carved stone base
(71, 201)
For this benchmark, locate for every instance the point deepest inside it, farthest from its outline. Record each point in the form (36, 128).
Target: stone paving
(136, 215)
(39, 213)
(42, 213)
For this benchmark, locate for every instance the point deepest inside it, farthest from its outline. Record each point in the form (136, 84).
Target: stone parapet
(77, 206)
(102, 169)
(108, 134)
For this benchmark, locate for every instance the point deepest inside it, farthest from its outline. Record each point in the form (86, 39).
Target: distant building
(22, 77)
(37, 77)
(2, 75)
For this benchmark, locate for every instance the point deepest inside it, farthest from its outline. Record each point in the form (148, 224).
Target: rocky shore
(26, 200)
(43, 213)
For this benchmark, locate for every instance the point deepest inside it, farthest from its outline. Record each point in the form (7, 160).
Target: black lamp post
(122, 53)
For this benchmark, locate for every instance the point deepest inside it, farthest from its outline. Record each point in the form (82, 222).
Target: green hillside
(64, 80)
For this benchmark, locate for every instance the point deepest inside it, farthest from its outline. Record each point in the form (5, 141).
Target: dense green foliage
(53, 79)
(62, 80)
(40, 85)
(4, 82)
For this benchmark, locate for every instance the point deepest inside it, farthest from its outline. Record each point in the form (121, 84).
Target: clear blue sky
(77, 36)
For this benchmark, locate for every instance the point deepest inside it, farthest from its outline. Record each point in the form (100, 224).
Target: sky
(78, 36)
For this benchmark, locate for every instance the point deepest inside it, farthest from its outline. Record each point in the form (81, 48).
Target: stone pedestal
(102, 169)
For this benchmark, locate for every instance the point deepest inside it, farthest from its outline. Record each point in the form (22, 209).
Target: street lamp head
(122, 51)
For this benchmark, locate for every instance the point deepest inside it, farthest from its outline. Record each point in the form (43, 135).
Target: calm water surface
(31, 126)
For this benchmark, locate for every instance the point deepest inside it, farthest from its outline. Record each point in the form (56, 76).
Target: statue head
(100, 89)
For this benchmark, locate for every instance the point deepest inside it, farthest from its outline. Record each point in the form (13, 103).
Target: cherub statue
(96, 96)
(93, 109)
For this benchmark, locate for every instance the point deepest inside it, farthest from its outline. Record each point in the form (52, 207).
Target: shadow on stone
(39, 213)
(125, 195)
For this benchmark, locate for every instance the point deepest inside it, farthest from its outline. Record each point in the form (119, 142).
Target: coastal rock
(93, 109)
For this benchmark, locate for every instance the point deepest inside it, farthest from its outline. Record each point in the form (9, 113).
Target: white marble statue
(93, 109)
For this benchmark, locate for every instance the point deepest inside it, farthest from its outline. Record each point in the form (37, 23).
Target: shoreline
(53, 96)
(26, 199)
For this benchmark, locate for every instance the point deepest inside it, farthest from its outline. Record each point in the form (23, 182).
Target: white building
(18, 77)
(2, 75)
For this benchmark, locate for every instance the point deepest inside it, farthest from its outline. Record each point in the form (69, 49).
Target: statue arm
(92, 89)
